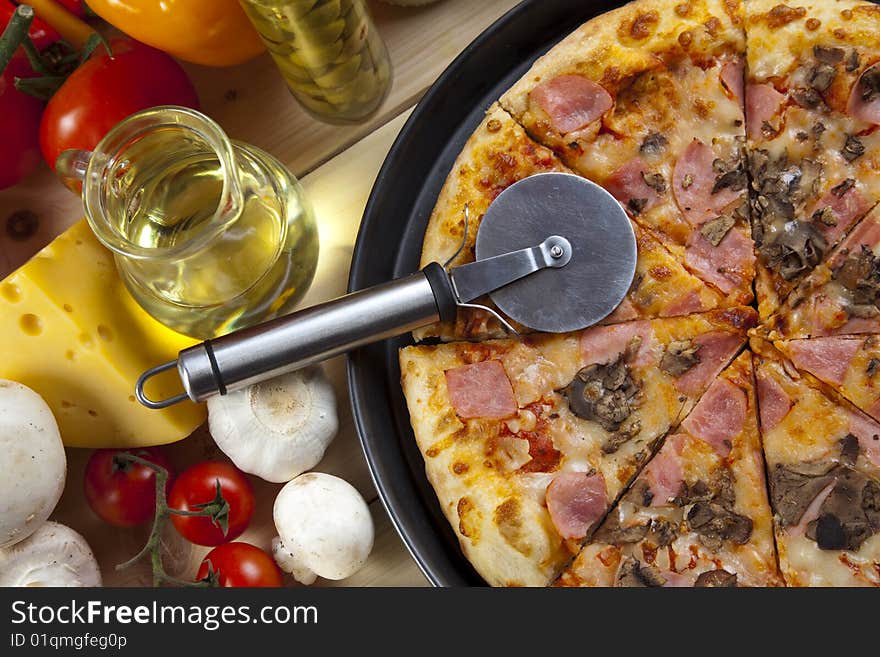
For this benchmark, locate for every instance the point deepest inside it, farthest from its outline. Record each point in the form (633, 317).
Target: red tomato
(241, 564)
(124, 494)
(40, 32)
(20, 127)
(105, 90)
(198, 486)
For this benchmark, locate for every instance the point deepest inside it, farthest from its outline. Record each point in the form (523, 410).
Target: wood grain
(252, 104)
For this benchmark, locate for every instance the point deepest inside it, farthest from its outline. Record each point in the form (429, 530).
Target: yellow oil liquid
(329, 52)
(205, 272)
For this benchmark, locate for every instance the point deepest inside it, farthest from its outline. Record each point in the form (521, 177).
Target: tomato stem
(15, 34)
(163, 511)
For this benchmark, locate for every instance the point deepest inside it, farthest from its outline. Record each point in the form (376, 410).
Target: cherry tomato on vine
(196, 489)
(106, 89)
(123, 494)
(240, 565)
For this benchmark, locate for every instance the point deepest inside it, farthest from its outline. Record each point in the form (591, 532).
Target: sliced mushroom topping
(796, 250)
(869, 83)
(825, 216)
(716, 578)
(663, 532)
(734, 179)
(849, 450)
(849, 515)
(633, 573)
(793, 488)
(822, 76)
(613, 533)
(606, 394)
(852, 62)
(714, 524)
(655, 181)
(716, 229)
(697, 492)
(679, 357)
(628, 430)
(873, 367)
(828, 55)
(853, 148)
(807, 98)
(860, 276)
(843, 188)
(653, 144)
(636, 205)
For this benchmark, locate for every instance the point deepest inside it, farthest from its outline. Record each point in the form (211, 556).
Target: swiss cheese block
(72, 332)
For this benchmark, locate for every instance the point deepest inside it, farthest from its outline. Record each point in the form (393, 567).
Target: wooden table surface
(337, 166)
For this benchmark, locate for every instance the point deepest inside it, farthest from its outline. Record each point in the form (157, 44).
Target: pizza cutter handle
(308, 336)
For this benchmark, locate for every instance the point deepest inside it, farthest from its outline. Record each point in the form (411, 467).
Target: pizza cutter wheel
(554, 252)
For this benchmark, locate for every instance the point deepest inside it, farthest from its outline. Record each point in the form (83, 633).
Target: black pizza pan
(389, 246)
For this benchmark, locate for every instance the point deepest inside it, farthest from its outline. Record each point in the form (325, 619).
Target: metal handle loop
(150, 373)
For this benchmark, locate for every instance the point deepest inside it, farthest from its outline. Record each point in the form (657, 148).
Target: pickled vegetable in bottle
(329, 52)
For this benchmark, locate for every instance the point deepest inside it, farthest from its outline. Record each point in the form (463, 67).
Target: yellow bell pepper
(209, 32)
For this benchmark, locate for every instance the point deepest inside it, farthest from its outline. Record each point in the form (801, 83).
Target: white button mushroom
(276, 429)
(54, 555)
(324, 526)
(32, 461)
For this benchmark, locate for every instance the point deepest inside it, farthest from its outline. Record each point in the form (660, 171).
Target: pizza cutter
(554, 252)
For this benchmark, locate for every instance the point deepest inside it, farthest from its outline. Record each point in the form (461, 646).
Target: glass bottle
(330, 54)
(209, 235)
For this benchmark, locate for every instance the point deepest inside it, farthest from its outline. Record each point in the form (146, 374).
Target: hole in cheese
(67, 308)
(86, 340)
(70, 354)
(30, 324)
(11, 292)
(93, 413)
(105, 333)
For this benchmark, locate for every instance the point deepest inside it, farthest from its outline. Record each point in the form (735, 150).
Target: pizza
(498, 154)
(527, 441)
(731, 395)
(698, 513)
(823, 464)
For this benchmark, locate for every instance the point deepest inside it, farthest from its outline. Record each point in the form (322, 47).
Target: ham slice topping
(604, 344)
(481, 390)
(716, 350)
(861, 107)
(693, 182)
(719, 416)
(628, 185)
(763, 102)
(732, 77)
(575, 501)
(724, 265)
(827, 358)
(687, 303)
(664, 473)
(571, 102)
(773, 402)
(868, 433)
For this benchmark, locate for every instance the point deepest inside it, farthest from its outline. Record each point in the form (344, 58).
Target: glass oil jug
(209, 235)
(328, 51)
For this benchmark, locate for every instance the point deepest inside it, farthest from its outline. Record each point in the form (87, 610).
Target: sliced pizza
(498, 154)
(698, 514)
(841, 296)
(849, 365)
(528, 441)
(812, 107)
(647, 101)
(823, 463)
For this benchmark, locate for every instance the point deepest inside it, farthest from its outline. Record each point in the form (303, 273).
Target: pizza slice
(841, 296)
(698, 514)
(848, 364)
(498, 154)
(823, 462)
(812, 108)
(647, 101)
(528, 441)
